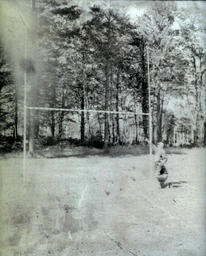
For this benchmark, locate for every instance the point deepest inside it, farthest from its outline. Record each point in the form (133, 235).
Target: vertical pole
(150, 114)
(25, 110)
(33, 4)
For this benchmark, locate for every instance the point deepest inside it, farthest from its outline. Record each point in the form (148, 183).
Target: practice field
(103, 206)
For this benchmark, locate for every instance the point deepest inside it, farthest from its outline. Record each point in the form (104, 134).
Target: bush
(135, 150)
(9, 144)
(96, 141)
(47, 141)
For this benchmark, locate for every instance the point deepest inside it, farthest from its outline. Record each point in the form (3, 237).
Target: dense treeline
(97, 59)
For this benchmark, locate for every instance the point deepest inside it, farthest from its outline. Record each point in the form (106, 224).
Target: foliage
(8, 98)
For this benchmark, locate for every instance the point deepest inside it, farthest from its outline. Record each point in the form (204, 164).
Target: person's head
(160, 145)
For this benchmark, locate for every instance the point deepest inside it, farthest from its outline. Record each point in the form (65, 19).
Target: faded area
(102, 205)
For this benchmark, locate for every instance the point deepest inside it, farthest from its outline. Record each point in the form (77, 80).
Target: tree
(58, 28)
(169, 123)
(167, 61)
(8, 97)
(193, 33)
(111, 35)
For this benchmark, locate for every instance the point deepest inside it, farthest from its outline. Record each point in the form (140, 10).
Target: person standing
(160, 159)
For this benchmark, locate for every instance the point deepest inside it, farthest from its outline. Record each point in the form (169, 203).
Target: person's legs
(163, 170)
(163, 176)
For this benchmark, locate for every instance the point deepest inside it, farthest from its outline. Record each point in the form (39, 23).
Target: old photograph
(102, 128)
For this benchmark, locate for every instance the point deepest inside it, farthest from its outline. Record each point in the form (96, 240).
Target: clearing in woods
(101, 205)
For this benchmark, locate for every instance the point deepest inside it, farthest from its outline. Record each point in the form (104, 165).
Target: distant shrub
(96, 141)
(9, 144)
(129, 150)
(47, 141)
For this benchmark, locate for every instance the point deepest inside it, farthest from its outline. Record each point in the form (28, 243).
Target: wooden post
(150, 114)
(25, 110)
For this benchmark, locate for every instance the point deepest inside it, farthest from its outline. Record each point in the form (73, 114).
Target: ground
(103, 205)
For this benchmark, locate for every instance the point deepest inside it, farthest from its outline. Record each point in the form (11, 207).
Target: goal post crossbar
(80, 111)
(87, 110)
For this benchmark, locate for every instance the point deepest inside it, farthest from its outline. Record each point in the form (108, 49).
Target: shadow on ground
(174, 184)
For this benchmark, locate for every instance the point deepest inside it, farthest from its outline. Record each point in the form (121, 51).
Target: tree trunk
(158, 130)
(204, 134)
(144, 87)
(136, 129)
(61, 118)
(61, 115)
(82, 100)
(107, 86)
(82, 128)
(99, 122)
(32, 133)
(117, 107)
(106, 121)
(196, 131)
(53, 104)
(32, 118)
(52, 124)
(113, 131)
(16, 115)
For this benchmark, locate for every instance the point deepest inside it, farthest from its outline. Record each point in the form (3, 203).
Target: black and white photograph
(102, 128)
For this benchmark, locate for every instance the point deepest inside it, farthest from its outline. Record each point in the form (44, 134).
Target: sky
(139, 7)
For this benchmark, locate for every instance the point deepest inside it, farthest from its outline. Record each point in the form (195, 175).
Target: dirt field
(103, 206)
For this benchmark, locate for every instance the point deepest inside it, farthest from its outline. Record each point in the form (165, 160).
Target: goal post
(149, 106)
(125, 113)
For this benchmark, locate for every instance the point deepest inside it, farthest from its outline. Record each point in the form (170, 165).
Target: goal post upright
(25, 111)
(24, 92)
(150, 112)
